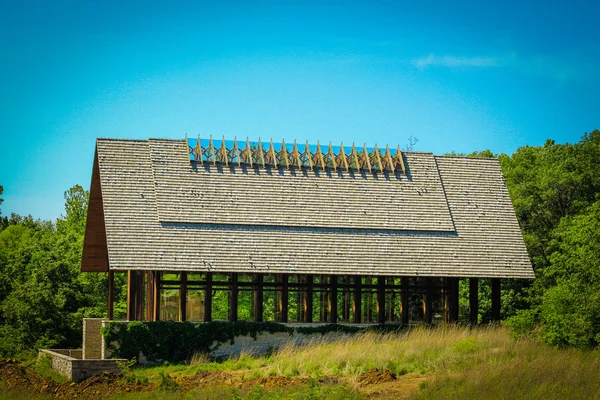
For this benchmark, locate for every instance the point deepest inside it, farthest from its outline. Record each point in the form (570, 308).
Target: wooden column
(346, 301)
(495, 299)
(357, 300)
(183, 297)
(111, 295)
(324, 300)
(277, 298)
(308, 299)
(156, 282)
(453, 297)
(208, 298)
(405, 300)
(381, 300)
(368, 309)
(131, 295)
(258, 298)
(390, 299)
(332, 304)
(473, 300)
(428, 301)
(139, 301)
(301, 296)
(284, 299)
(233, 305)
(149, 295)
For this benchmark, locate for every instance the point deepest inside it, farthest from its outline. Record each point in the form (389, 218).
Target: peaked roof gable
(446, 217)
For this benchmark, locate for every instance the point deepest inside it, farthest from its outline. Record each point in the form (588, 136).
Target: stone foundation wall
(268, 342)
(78, 369)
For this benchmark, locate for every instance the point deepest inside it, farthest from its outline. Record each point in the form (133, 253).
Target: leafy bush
(178, 341)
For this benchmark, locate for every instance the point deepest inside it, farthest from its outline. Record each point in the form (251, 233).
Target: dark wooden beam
(428, 301)
(208, 298)
(473, 300)
(357, 300)
(496, 299)
(258, 298)
(346, 299)
(368, 309)
(405, 299)
(183, 297)
(308, 299)
(390, 300)
(130, 295)
(140, 296)
(380, 300)
(453, 297)
(111, 295)
(156, 282)
(332, 305)
(233, 305)
(301, 297)
(324, 298)
(284, 299)
(149, 295)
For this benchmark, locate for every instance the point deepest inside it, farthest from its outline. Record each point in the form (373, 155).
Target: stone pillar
(92, 338)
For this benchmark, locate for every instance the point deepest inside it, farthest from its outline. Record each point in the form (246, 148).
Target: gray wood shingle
(453, 217)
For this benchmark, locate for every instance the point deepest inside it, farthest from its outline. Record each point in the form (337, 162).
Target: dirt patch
(206, 379)
(17, 378)
(27, 381)
(374, 377)
(384, 387)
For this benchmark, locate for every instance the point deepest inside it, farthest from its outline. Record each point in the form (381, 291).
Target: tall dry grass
(457, 363)
(526, 369)
(422, 350)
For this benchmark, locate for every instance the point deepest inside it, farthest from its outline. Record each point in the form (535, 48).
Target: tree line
(555, 189)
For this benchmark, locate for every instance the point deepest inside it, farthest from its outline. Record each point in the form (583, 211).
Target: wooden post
(381, 300)
(183, 297)
(208, 298)
(453, 297)
(368, 309)
(324, 300)
(139, 301)
(473, 300)
(333, 299)
(149, 295)
(258, 298)
(157, 278)
(277, 298)
(357, 300)
(301, 298)
(308, 299)
(496, 299)
(111, 294)
(428, 301)
(233, 306)
(390, 299)
(130, 295)
(346, 302)
(284, 299)
(405, 300)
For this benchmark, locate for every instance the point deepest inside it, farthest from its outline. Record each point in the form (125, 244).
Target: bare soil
(28, 382)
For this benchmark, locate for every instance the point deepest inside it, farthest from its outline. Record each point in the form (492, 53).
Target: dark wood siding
(95, 253)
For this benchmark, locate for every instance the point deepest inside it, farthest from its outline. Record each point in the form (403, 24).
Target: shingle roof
(446, 216)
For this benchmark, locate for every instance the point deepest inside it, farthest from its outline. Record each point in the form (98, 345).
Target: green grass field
(447, 362)
(454, 362)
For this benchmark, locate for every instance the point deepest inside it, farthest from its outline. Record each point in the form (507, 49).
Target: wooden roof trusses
(257, 154)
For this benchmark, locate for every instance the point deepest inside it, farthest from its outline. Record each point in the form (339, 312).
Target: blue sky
(460, 76)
